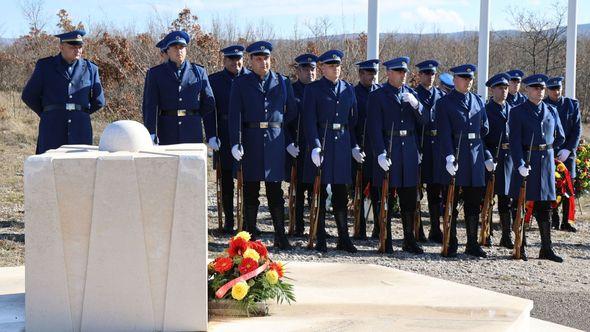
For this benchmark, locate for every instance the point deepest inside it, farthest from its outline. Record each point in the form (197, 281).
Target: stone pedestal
(117, 240)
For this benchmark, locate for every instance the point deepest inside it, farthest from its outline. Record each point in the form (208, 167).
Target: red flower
(237, 246)
(278, 267)
(222, 264)
(248, 265)
(260, 248)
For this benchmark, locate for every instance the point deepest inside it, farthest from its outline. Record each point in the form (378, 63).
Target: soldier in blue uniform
(569, 115)
(216, 124)
(446, 82)
(497, 111)
(428, 95)
(395, 105)
(306, 73)
(64, 90)
(163, 58)
(515, 97)
(461, 113)
(367, 72)
(537, 120)
(330, 115)
(177, 95)
(261, 106)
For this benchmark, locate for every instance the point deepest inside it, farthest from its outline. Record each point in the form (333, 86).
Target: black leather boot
(344, 242)
(506, 240)
(421, 236)
(249, 220)
(277, 214)
(453, 242)
(546, 251)
(472, 248)
(362, 235)
(555, 218)
(228, 212)
(376, 227)
(410, 244)
(299, 206)
(320, 244)
(434, 234)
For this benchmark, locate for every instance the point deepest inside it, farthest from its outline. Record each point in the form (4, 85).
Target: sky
(348, 16)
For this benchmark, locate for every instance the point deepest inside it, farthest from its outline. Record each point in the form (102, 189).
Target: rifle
(358, 189)
(449, 204)
(383, 211)
(240, 184)
(488, 201)
(314, 211)
(520, 210)
(417, 215)
(293, 186)
(217, 160)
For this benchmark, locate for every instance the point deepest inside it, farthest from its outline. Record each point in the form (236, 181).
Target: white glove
(315, 157)
(214, 143)
(490, 165)
(293, 150)
(419, 158)
(383, 161)
(358, 155)
(524, 171)
(563, 154)
(409, 98)
(238, 152)
(451, 167)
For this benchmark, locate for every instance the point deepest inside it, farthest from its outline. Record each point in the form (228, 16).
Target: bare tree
(32, 10)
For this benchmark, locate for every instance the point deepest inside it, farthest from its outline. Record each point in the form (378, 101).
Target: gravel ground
(561, 292)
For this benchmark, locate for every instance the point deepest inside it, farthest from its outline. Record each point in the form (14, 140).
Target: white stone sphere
(125, 135)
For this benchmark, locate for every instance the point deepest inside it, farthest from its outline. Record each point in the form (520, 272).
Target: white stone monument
(116, 236)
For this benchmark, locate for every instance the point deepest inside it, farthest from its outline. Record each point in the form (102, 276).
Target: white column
(572, 37)
(483, 49)
(373, 32)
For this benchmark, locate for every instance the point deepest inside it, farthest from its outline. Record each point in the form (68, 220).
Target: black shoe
(506, 239)
(547, 253)
(278, 220)
(472, 248)
(523, 255)
(344, 242)
(566, 226)
(409, 243)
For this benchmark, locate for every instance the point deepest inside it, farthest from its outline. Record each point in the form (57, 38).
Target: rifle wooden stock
(486, 211)
(448, 215)
(383, 212)
(357, 201)
(292, 197)
(219, 192)
(240, 199)
(519, 221)
(314, 211)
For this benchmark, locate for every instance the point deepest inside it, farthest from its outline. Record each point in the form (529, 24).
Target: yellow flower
(272, 277)
(577, 161)
(239, 290)
(557, 176)
(244, 235)
(251, 253)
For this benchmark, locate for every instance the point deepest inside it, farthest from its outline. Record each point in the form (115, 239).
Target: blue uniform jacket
(542, 121)
(430, 151)
(330, 103)
(569, 115)
(51, 86)
(167, 90)
(221, 83)
(385, 106)
(498, 121)
(463, 114)
(252, 102)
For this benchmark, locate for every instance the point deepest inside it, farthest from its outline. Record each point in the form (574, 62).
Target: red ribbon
(223, 289)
